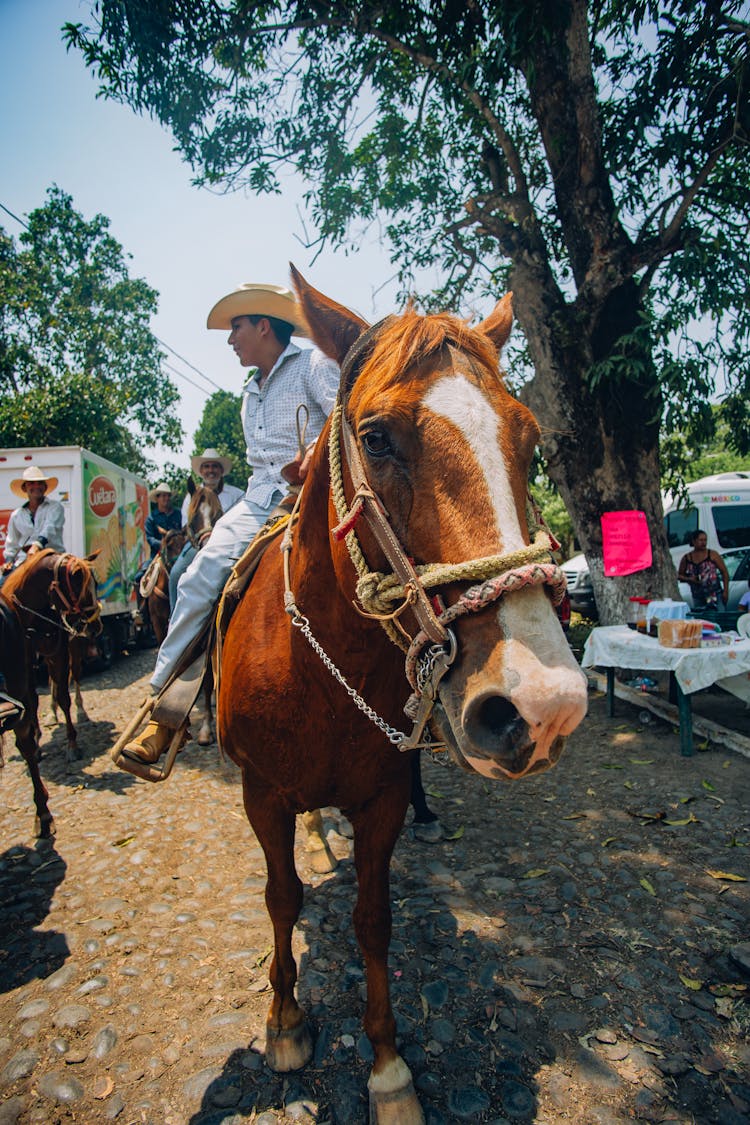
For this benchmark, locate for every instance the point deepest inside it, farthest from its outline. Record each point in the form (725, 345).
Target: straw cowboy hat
(210, 455)
(31, 474)
(258, 300)
(163, 487)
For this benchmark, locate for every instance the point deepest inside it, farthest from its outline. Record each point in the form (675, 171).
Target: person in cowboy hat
(211, 467)
(261, 320)
(162, 517)
(38, 523)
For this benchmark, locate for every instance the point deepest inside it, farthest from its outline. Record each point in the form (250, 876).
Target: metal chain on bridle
(407, 585)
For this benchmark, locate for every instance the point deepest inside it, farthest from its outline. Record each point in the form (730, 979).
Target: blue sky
(191, 245)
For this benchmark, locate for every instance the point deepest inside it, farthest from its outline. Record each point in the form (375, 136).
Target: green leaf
(647, 885)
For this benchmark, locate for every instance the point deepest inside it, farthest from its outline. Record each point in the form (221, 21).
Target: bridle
(198, 538)
(430, 653)
(69, 606)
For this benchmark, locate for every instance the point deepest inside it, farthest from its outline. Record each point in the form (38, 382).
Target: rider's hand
(304, 467)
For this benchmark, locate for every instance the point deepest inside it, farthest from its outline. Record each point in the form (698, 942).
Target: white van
(718, 505)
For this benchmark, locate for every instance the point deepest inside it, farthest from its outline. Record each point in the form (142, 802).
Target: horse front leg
(393, 1100)
(59, 668)
(288, 1041)
(321, 858)
(44, 824)
(206, 734)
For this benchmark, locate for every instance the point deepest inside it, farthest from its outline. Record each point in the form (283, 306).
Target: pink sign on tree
(626, 543)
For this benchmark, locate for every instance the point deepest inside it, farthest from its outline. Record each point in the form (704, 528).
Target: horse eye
(376, 443)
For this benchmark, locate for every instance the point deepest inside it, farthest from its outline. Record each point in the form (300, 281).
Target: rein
(408, 584)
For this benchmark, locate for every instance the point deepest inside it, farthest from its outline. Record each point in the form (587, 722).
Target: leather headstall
(366, 502)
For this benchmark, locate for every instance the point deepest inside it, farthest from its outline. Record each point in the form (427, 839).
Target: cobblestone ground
(576, 949)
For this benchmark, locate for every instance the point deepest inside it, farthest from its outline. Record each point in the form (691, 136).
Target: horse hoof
(288, 1049)
(430, 833)
(322, 860)
(44, 829)
(397, 1106)
(205, 739)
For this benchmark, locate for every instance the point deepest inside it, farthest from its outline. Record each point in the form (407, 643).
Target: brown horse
(157, 600)
(55, 598)
(203, 512)
(429, 494)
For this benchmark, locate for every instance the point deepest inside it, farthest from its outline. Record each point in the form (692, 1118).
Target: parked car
(737, 563)
(580, 589)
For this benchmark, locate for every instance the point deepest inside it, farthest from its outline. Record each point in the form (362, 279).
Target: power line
(197, 370)
(188, 364)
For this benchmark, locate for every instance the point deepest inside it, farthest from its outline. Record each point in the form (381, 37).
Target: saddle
(173, 704)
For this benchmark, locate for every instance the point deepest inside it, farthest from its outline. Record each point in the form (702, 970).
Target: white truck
(105, 509)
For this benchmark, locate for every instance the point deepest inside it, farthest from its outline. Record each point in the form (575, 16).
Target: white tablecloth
(616, 646)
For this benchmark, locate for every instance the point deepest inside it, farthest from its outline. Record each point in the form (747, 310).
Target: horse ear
(498, 324)
(93, 556)
(191, 485)
(332, 327)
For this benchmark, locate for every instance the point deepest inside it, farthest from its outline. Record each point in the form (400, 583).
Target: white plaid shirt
(269, 415)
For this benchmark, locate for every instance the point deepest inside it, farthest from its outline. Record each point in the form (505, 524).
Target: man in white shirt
(38, 523)
(261, 320)
(211, 468)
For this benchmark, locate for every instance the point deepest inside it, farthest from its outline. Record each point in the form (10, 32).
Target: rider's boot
(154, 741)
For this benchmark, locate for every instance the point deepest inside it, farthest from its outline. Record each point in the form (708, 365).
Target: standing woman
(705, 573)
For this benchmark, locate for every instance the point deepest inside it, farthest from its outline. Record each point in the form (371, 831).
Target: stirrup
(149, 771)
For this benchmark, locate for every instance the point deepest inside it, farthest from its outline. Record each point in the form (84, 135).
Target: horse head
(61, 583)
(172, 542)
(203, 512)
(435, 455)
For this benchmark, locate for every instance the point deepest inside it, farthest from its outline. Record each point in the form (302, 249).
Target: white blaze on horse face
(462, 402)
(538, 673)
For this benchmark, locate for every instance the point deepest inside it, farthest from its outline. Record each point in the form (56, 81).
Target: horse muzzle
(486, 733)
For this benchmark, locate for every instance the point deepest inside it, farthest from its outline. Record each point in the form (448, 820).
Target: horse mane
(18, 577)
(410, 338)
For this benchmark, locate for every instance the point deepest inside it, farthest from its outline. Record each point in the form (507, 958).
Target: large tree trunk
(599, 438)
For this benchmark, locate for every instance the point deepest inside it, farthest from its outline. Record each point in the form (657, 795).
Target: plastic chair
(743, 625)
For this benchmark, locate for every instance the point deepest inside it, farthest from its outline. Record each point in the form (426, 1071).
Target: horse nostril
(493, 723)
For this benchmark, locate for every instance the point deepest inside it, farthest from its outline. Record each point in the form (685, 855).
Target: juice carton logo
(102, 497)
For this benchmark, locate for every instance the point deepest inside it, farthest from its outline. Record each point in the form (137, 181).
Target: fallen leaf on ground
(726, 875)
(691, 982)
(708, 785)
(608, 841)
(679, 823)
(641, 761)
(455, 835)
(125, 840)
(647, 885)
(536, 872)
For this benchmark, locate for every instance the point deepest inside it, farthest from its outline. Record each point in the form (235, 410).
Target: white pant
(203, 581)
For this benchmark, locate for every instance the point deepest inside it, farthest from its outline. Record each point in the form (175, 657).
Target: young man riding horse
(261, 320)
(37, 524)
(211, 468)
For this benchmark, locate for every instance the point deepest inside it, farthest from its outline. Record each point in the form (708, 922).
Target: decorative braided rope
(377, 592)
(477, 598)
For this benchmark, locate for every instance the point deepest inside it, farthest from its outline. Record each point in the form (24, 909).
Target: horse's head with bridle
(203, 512)
(172, 542)
(56, 591)
(429, 461)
